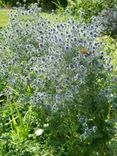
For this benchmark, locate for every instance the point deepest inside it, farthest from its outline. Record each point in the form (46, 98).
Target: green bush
(46, 4)
(88, 8)
(52, 4)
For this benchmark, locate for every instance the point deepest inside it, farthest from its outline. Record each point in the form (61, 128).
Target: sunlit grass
(4, 17)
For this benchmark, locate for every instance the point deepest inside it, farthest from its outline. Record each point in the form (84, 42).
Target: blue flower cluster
(48, 63)
(58, 65)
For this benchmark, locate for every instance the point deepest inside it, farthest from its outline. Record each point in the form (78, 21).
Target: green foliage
(111, 48)
(53, 4)
(46, 4)
(18, 129)
(5, 4)
(88, 8)
(61, 133)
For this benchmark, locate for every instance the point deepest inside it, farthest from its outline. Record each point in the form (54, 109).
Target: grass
(4, 17)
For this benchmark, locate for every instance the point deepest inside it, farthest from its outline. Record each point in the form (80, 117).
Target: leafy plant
(5, 4)
(88, 8)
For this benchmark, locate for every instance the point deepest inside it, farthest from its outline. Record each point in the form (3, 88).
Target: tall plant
(61, 68)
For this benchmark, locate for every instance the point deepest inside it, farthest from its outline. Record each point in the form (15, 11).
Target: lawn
(4, 17)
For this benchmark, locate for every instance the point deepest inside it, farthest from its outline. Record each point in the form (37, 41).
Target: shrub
(46, 4)
(52, 4)
(88, 8)
(62, 69)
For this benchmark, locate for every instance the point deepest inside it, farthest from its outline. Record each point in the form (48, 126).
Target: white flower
(39, 132)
